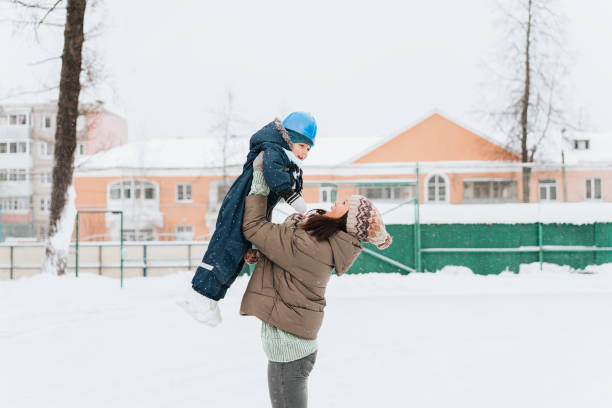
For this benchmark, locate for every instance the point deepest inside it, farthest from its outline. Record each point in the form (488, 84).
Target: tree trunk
(526, 177)
(525, 109)
(61, 219)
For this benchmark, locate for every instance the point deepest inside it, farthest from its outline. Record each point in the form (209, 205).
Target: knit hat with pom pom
(365, 222)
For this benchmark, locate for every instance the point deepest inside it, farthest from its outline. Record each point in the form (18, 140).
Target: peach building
(172, 189)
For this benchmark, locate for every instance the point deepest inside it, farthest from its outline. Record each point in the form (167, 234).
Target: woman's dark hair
(323, 227)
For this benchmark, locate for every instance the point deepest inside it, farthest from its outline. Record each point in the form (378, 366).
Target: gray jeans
(288, 382)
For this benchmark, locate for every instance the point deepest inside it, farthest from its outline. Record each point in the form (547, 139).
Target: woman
(287, 289)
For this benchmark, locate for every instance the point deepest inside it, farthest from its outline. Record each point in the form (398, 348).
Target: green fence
(492, 248)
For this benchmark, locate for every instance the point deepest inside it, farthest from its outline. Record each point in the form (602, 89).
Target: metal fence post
(417, 224)
(121, 249)
(76, 248)
(144, 260)
(595, 242)
(99, 259)
(12, 267)
(540, 251)
(188, 256)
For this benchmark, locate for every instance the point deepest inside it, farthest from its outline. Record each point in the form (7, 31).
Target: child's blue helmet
(302, 127)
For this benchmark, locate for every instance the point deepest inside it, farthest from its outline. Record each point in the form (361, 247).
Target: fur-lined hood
(273, 132)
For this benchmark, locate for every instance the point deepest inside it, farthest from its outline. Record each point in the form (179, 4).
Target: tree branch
(34, 23)
(39, 91)
(49, 11)
(59, 57)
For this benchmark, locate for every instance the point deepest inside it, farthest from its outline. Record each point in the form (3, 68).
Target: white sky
(362, 68)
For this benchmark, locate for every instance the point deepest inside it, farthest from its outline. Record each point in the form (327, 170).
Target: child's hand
(298, 203)
(251, 256)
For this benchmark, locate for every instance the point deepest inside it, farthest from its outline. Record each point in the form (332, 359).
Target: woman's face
(338, 209)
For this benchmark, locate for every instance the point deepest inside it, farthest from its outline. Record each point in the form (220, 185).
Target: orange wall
(92, 194)
(436, 139)
(575, 182)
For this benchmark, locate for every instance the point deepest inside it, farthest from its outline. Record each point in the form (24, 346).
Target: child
(284, 146)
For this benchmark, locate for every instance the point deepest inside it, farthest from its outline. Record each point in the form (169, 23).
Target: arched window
(436, 185)
(132, 190)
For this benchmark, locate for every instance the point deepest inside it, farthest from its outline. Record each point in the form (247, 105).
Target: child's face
(300, 150)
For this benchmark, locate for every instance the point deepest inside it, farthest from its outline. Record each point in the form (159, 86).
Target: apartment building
(27, 138)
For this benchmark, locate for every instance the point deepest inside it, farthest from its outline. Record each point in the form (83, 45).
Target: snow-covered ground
(449, 339)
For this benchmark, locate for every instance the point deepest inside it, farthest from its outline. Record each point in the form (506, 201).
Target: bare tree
(530, 70)
(226, 130)
(79, 70)
(62, 216)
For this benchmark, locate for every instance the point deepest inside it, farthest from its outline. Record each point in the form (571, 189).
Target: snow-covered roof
(331, 151)
(165, 154)
(600, 148)
(206, 153)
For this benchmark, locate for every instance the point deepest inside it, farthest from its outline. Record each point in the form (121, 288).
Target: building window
(183, 192)
(138, 235)
(149, 193)
(132, 190)
(22, 147)
(489, 191)
(115, 193)
(548, 190)
(3, 148)
(328, 194)
(81, 149)
(184, 232)
(46, 149)
(581, 144)
(436, 189)
(46, 122)
(18, 119)
(42, 232)
(387, 193)
(45, 178)
(21, 175)
(45, 204)
(593, 189)
(14, 205)
(13, 175)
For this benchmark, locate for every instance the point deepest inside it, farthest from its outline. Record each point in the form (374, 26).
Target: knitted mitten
(259, 185)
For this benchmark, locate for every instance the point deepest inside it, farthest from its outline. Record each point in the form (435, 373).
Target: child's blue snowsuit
(223, 259)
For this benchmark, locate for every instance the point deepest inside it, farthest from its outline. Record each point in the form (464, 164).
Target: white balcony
(16, 188)
(10, 133)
